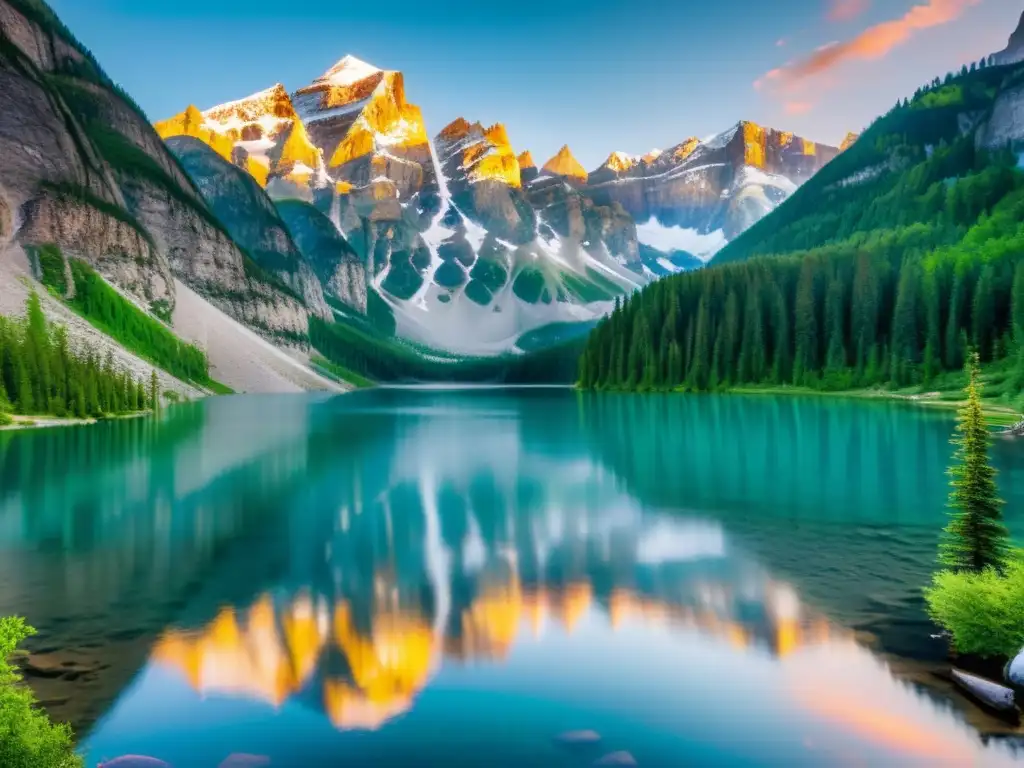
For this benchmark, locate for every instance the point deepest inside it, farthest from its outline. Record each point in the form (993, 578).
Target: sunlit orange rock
(651, 156)
(685, 149)
(348, 81)
(261, 133)
(526, 161)
(620, 162)
(754, 145)
(456, 130)
(849, 141)
(387, 121)
(564, 164)
(192, 123)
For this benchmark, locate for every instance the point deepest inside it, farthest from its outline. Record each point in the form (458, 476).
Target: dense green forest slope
(41, 374)
(883, 270)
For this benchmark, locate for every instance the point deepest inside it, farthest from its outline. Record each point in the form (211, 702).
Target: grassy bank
(1002, 404)
(997, 413)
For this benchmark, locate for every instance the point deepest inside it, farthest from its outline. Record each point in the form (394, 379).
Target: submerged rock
(994, 695)
(135, 761)
(578, 738)
(1015, 671)
(616, 758)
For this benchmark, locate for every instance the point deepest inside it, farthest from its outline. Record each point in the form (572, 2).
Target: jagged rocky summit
(468, 243)
(1014, 50)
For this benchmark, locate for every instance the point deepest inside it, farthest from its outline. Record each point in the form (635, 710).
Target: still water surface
(435, 578)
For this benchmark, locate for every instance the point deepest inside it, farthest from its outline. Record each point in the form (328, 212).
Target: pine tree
(984, 314)
(700, 366)
(806, 326)
(834, 314)
(905, 330)
(976, 537)
(154, 392)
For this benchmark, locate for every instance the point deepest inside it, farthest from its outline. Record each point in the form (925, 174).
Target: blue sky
(600, 75)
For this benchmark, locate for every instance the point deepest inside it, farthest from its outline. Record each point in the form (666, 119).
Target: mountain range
(461, 239)
(333, 211)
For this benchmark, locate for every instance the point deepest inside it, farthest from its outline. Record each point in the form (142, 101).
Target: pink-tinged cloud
(798, 107)
(781, 42)
(847, 10)
(873, 43)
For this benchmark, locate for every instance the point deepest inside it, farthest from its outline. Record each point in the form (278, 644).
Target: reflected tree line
(796, 458)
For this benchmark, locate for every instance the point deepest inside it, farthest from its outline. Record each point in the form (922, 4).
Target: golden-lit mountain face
(684, 150)
(764, 148)
(849, 141)
(620, 162)
(484, 153)
(651, 156)
(261, 134)
(565, 165)
(348, 81)
(192, 123)
(526, 161)
(387, 122)
(353, 112)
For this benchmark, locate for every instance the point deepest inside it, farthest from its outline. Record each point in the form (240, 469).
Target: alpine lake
(421, 577)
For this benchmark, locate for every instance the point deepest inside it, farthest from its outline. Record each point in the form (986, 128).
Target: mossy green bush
(27, 737)
(984, 612)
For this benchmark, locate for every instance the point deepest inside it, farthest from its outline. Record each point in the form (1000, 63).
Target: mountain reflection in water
(453, 578)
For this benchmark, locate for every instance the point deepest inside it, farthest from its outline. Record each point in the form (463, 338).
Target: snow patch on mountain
(668, 239)
(749, 175)
(349, 71)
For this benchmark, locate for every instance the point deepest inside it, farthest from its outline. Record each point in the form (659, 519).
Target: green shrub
(984, 612)
(27, 738)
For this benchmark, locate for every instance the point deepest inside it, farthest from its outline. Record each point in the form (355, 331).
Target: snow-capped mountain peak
(620, 162)
(348, 71)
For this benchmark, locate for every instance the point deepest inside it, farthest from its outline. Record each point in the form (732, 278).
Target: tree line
(41, 374)
(891, 286)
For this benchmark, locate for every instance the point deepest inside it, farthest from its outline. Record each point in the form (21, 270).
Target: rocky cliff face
(1014, 50)
(261, 134)
(334, 261)
(374, 141)
(1005, 125)
(723, 184)
(81, 167)
(250, 218)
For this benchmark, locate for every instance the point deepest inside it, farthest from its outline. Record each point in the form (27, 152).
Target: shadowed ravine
(424, 577)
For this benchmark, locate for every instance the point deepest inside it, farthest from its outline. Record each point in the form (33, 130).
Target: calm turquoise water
(430, 578)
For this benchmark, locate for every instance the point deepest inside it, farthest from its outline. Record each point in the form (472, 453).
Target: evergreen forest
(40, 373)
(885, 270)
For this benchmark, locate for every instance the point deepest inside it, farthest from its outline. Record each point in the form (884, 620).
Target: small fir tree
(975, 538)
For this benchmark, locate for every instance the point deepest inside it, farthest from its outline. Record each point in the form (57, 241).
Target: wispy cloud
(846, 10)
(798, 107)
(781, 42)
(873, 43)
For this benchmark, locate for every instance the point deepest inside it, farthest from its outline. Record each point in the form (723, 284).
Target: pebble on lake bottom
(616, 758)
(576, 738)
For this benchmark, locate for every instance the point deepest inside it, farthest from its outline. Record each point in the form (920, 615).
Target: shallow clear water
(454, 578)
